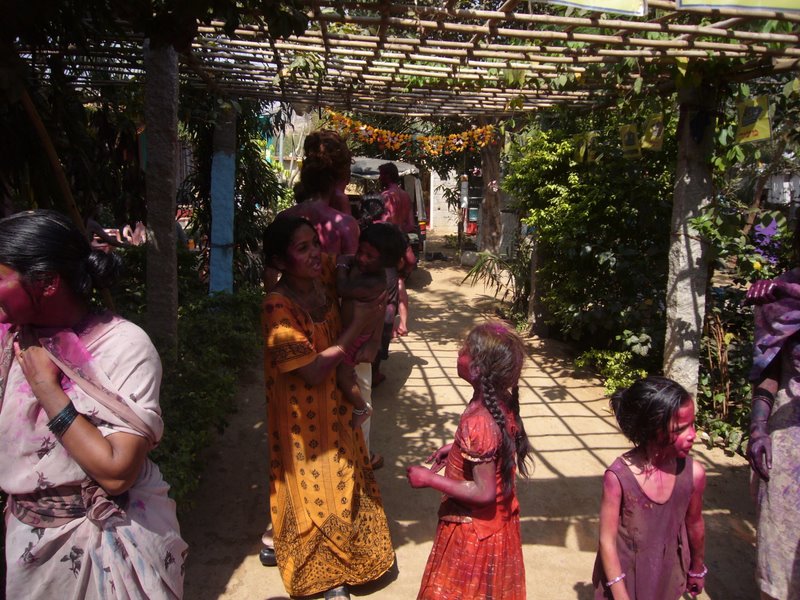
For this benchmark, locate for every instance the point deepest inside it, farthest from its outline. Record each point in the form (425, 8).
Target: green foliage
(723, 392)
(601, 240)
(257, 189)
(614, 367)
(509, 276)
(219, 338)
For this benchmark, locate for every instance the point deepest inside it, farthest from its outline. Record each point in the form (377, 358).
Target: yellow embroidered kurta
(330, 528)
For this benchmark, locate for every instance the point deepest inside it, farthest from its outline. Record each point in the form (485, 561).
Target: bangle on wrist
(699, 575)
(770, 400)
(616, 579)
(360, 411)
(59, 424)
(340, 348)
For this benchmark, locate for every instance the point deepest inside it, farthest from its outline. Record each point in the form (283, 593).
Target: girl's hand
(418, 476)
(694, 585)
(43, 374)
(439, 458)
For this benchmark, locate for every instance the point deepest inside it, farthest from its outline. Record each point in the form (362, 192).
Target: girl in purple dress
(652, 535)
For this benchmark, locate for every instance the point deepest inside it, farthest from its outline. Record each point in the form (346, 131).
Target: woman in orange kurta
(329, 526)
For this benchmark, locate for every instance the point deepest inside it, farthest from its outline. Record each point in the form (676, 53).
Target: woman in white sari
(88, 512)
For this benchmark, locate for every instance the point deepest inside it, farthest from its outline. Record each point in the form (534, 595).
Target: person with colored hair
(652, 534)
(774, 447)
(364, 277)
(330, 530)
(477, 552)
(88, 514)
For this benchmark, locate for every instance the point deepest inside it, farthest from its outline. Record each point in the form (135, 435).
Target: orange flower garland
(432, 145)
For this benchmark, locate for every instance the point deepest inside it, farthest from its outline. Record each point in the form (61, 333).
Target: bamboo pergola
(432, 59)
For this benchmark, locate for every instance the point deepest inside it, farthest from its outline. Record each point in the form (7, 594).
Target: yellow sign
(753, 120)
(653, 136)
(629, 138)
(579, 141)
(585, 147)
(776, 5)
(626, 7)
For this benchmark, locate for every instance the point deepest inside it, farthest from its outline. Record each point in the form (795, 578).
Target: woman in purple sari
(88, 514)
(774, 448)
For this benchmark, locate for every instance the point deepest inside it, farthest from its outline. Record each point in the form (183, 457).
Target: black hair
(496, 356)
(278, 236)
(646, 409)
(390, 170)
(373, 208)
(326, 161)
(41, 243)
(388, 240)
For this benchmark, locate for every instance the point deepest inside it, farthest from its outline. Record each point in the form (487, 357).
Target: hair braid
(522, 443)
(490, 401)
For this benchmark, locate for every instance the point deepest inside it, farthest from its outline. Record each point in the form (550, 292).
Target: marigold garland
(432, 145)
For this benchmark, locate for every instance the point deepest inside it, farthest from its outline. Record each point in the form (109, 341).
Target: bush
(219, 337)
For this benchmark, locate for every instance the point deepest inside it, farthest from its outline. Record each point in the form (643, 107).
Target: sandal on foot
(267, 557)
(375, 461)
(338, 593)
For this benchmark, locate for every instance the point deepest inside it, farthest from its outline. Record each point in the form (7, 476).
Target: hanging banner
(591, 146)
(753, 120)
(579, 141)
(744, 5)
(636, 8)
(653, 136)
(585, 147)
(629, 138)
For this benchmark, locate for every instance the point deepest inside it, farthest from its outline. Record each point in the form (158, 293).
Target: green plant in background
(258, 190)
(509, 276)
(601, 240)
(219, 338)
(614, 367)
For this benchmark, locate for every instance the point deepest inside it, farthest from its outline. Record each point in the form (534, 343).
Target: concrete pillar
(223, 186)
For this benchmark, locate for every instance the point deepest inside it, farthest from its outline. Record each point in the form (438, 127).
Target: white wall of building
(442, 220)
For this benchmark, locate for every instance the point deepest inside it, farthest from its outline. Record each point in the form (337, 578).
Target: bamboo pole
(58, 172)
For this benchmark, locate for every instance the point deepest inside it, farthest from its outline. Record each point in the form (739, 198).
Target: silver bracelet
(616, 579)
(699, 575)
(360, 411)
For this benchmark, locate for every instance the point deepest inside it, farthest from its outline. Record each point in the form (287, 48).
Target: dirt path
(416, 410)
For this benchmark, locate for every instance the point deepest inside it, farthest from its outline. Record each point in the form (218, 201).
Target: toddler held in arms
(362, 277)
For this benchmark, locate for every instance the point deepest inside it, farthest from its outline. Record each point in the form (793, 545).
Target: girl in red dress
(477, 552)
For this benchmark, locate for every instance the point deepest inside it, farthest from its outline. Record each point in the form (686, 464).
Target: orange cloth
(330, 528)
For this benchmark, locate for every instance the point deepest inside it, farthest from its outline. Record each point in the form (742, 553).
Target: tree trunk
(688, 260)
(161, 117)
(489, 230)
(223, 184)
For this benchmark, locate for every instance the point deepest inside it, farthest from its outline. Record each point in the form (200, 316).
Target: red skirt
(463, 567)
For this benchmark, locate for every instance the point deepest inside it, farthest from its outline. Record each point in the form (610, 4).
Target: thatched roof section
(435, 59)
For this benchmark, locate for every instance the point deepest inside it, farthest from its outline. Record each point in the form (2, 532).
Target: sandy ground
(416, 410)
